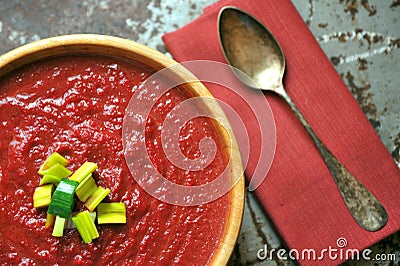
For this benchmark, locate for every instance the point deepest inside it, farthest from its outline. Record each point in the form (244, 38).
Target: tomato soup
(75, 106)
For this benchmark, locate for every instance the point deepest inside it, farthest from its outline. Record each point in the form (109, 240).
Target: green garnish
(49, 220)
(53, 159)
(61, 201)
(42, 196)
(85, 226)
(63, 198)
(57, 170)
(86, 188)
(83, 171)
(112, 218)
(96, 198)
(50, 179)
(111, 207)
(58, 229)
(69, 224)
(111, 213)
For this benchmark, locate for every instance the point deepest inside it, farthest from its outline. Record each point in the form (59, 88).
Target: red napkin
(299, 193)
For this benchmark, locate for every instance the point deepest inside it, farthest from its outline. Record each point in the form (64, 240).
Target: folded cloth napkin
(299, 194)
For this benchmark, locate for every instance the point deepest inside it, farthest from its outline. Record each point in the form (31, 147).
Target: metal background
(360, 37)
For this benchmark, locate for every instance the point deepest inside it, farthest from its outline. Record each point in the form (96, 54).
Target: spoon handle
(367, 211)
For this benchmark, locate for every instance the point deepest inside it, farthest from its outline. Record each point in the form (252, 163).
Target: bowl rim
(133, 51)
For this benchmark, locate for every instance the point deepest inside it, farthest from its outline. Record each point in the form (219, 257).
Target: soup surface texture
(75, 105)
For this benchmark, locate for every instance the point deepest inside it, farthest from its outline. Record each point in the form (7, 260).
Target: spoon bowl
(245, 42)
(250, 47)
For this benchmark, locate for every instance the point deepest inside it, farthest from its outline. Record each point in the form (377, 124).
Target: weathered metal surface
(360, 37)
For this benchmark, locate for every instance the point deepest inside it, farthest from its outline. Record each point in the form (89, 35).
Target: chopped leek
(83, 171)
(63, 198)
(57, 170)
(114, 212)
(111, 213)
(49, 220)
(52, 160)
(86, 188)
(50, 179)
(96, 198)
(111, 207)
(85, 226)
(111, 218)
(71, 225)
(58, 229)
(42, 196)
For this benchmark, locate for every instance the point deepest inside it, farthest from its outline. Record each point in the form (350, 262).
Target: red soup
(75, 105)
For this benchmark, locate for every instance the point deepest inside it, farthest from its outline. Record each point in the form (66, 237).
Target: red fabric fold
(299, 194)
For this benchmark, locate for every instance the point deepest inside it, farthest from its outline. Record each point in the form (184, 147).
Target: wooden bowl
(121, 48)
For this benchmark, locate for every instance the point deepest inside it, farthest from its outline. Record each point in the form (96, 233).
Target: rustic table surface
(360, 37)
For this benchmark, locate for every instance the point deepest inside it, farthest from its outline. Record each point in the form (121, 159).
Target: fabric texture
(299, 194)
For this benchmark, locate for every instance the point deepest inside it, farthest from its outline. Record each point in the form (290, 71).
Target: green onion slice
(53, 159)
(85, 226)
(63, 198)
(49, 220)
(111, 207)
(71, 225)
(50, 179)
(96, 198)
(86, 188)
(58, 229)
(83, 171)
(56, 170)
(111, 218)
(42, 196)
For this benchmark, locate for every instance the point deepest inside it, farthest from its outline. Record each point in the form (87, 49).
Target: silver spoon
(250, 47)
